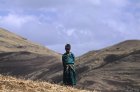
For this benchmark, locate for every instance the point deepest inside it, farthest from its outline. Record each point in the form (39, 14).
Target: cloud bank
(86, 24)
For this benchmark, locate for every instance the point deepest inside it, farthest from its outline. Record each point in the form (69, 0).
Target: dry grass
(10, 84)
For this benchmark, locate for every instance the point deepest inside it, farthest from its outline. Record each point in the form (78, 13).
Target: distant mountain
(112, 69)
(23, 58)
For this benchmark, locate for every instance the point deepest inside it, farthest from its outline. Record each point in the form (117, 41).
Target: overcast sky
(85, 24)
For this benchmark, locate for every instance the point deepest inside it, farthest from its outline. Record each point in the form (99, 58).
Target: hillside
(112, 69)
(10, 84)
(11, 42)
(23, 58)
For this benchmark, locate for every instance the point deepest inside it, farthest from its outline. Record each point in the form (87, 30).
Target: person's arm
(63, 61)
(73, 57)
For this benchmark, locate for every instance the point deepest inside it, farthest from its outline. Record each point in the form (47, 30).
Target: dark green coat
(69, 74)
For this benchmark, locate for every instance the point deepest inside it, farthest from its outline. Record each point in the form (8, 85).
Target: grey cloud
(96, 23)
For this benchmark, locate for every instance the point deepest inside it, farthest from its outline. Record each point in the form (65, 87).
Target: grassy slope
(112, 68)
(11, 42)
(21, 57)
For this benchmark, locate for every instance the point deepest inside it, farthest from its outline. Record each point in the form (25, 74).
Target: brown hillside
(20, 57)
(113, 69)
(10, 42)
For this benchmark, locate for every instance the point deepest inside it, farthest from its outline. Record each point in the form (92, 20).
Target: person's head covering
(67, 46)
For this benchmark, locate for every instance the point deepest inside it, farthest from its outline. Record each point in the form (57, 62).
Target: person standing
(68, 60)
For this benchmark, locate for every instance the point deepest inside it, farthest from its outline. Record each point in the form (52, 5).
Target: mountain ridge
(12, 42)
